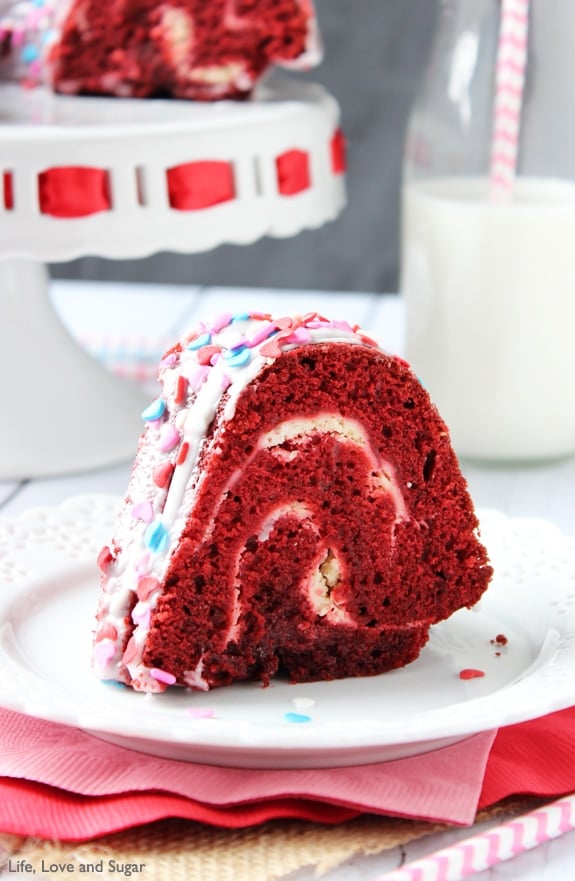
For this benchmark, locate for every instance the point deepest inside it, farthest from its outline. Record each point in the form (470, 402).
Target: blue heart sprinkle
(298, 718)
(155, 410)
(156, 537)
(204, 339)
(238, 357)
(29, 54)
(241, 316)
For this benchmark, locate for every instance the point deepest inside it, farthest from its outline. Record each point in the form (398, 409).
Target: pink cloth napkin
(441, 785)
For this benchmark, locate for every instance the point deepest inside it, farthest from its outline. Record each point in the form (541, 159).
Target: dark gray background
(375, 51)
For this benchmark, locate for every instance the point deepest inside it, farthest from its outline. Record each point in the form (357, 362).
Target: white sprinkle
(303, 703)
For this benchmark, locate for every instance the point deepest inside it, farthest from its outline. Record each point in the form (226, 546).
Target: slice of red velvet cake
(295, 506)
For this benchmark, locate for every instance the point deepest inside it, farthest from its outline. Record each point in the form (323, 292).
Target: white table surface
(545, 490)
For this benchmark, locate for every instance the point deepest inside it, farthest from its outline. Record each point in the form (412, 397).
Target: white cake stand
(62, 411)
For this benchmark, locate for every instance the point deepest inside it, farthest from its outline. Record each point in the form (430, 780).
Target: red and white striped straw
(509, 84)
(487, 849)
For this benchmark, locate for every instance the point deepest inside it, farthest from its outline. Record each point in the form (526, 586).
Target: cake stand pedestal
(62, 411)
(133, 171)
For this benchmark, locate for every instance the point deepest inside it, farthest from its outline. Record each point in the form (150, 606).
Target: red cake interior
(143, 48)
(396, 552)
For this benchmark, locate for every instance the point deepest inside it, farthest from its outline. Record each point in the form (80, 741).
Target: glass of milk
(489, 282)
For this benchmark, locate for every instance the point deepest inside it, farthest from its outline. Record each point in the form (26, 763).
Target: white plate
(48, 593)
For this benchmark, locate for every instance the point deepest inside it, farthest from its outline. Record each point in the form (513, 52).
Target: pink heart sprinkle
(272, 349)
(199, 713)
(162, 474)
(105, 560)
(300, 335)
(261, 334)
(369, 342)
(342, 325)
(146, 586)
(107, 631)
(143, 511)
(199, 376)
(284, 323)
(141, 615)
(130, 652)
(220, 322)
(206, 355)
(169, 437)
(103, 653)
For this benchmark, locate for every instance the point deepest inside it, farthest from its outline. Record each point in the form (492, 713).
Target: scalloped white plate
(48, 592)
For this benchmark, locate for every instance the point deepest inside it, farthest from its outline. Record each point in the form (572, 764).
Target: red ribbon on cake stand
(125, 178)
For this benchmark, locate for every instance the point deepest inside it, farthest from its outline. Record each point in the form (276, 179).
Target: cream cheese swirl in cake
(210, 367)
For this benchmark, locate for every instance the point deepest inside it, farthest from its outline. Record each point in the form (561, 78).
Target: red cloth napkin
(63, 783)
(533, 758)
(59, 782)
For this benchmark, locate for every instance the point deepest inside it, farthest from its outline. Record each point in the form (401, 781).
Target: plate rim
(294, 741)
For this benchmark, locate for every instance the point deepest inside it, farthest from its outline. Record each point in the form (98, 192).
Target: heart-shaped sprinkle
(272, 349)
(200, 713)
(299, 335)
(156, 537)
(130, 652)
(297, 718)
(107, 631)
(368, 341)
(146, 587)
(303, 703)
(170, 360)
(204, 339)
(238, 357)
(154, 411)
(163, 474)
(141, 615)
(103, 653)
(261, 333)
(221, 321)
(169, 438)
(105, 560)
(206, 354)
(198, 377)
(143, 511)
